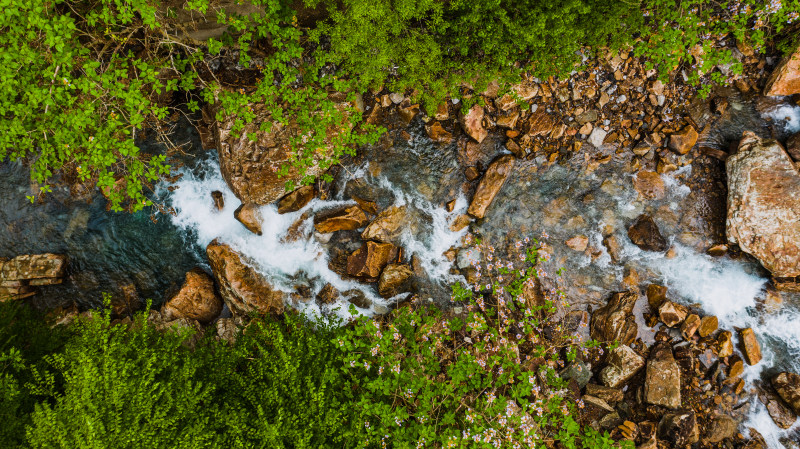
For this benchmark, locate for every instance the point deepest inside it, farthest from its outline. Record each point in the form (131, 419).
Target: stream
(108, 251)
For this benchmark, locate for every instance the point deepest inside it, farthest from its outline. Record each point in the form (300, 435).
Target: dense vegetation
(484, 377)
(81, 79)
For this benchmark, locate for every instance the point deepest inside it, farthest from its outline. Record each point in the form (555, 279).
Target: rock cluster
(20, 276)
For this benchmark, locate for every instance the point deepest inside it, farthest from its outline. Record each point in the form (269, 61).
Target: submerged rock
(196, 299)
(764, 205)
(387, 226)
(242, 288)
(787, 385)
(615, 320)
(219, 200)
(645, 234)
(490, 185)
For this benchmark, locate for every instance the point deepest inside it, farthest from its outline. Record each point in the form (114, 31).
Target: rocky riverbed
(675, 218)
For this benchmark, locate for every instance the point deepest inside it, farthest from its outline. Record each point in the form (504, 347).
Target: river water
(109, 250)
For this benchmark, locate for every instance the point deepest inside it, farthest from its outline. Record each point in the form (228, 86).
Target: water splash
(786, 115)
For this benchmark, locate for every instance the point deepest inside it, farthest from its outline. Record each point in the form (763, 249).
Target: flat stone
(34, 266)
(296, 200)
(395, 279)
(472, 123)
(724, 344)
(196, 299)
(750, 346)
(650, 185)
(787, 385)
(672, 314)
(347, 219)
(493, 180)
(623, 364)
(387, 226)
(662, 385)
(656, 295)
(689, 326)
(578, 243)
(369, 260)
(785, 79)
(708, 325)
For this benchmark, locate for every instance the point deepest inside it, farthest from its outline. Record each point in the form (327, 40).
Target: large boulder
(369, 260)
(196, 299)
(787, 385)
(346, 219)
(615, 320)
(33, 266)
(679, 428)
(662, 385)
(250, 167)
(296, 200)
(395, 279)
(490, 185)
(243, 288)
(785, 79)
(764, 205)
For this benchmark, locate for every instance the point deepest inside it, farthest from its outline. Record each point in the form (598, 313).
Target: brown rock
(785, 79)
(347, 219)
(442, 112)
(395, 279)
(296, 200)
(369, 260)
(460, 222)
(219, 200)
(717, 250)
(387, 226)
(650, 185)
(34, 266)
(724, 344)
(720, 428)
(578, 243)
(615, 320)
(787, 385)
(623, 364)
(471, 173)
(672, 314)
(509, 120)
(793, 147)
(490, 185)
(708, 325)
(614, 249)
(242, 288)
(683, 141)
(679, 429)
(735, 366)
(540, 123)
(656, 295)
(608, 394)
(750, 346)
(407, 113)
(689, 326)
(328, 294)
(646, 235)
(196, 299)
(763, 210)
(472, 123)
(438, 134)
(781, 415)
(250, 216)
(662, 385)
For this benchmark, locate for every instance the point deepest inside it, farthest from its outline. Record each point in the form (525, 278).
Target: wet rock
(472, 123)
(717, 250)
(358, 298)
(646, 235)
(347, 219)
(578, 243)
(689, 326)
(242, 288)
(250, 216)
(395, 279)
(656, 295)
(679, 429)
(720, 428)
(296, 200)
(662, 385)
(369, 260)
(735, 366)
(460, 222)
(408, 113)
(683, 141)
(328, 294)
(196, 299)
(750, 347)
(763, 207)
(613, 247)
(650, 185)
(781, 415)
(672, 314)
(126, 301)
(785, 79)
(615, 320)
(623, 364)
(608, 394)
(493, 180)
(540, 123)
(724, 344)
(387, 226)
(787, 385)
(708, 325)
(438, 134)
(219, 200)
(793, 147)
(471, 173)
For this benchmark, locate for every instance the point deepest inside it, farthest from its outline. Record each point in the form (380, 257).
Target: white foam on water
(787, 115)
(282, 262)
(758, 418)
